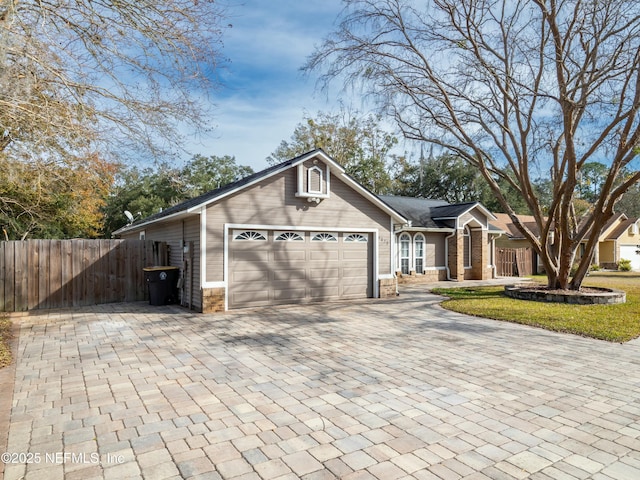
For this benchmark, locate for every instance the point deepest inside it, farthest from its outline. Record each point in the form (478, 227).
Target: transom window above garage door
(289, 237)
(355, 237)
(324, 237)
(249, 235)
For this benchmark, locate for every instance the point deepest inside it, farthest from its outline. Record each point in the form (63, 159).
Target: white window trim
(237, 233)
(142, 235)
(466, 232)
(315, 168)
(409, 256)
(291, 237)
(334, 235)
(304, 192)
(354, 238)
(417, 236)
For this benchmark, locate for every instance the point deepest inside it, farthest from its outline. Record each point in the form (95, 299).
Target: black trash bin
(163, 284)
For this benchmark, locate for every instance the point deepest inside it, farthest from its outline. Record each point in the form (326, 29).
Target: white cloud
(264, 94)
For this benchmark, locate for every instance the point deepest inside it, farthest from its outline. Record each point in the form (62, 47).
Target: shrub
(624, 265)
(595, 267)
(574, 269)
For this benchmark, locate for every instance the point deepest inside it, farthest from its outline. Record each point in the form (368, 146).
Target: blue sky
(264, 93)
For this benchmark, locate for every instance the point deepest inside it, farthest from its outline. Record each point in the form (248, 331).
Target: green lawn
(615, 323)
(5, 337)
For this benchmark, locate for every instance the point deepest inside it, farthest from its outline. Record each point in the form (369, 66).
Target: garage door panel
(354, 291)
(359, 255)
(326, 292)
(288, 256)
(249, 276)
(325, 273)
(250, 256)
(281, 272)
(250, 298)
(354, 272)
(288, 294)
(288, 275)
(324, 255)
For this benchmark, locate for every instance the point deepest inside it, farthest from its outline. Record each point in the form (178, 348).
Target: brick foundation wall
(387, 287)
(213, 300)
(429, 276)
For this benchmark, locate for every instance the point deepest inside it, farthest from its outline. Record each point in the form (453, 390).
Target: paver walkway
(376, 389)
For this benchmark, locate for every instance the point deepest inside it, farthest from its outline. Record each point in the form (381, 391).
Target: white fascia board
(264, 177)
(479, 206)
(426, 230)
(334, 168)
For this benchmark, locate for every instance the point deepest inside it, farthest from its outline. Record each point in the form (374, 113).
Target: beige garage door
(271, 267)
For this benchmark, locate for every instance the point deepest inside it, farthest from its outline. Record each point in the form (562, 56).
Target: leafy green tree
(629, 204)
(202, 174)
(449, 178)
(358, 143)
(513, 88)
(144, 192)
(592, 177)
(446, 177)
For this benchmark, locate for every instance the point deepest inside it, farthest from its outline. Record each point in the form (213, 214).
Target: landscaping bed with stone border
(584, 296)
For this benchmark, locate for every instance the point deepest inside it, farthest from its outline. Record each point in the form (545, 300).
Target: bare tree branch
(516, 88)
(109, 74)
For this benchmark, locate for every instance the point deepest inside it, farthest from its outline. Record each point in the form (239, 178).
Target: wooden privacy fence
(514, 262)
(36, 274)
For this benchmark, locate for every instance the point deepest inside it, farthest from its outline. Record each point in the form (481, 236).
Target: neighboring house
(305, 231)
(620, 239)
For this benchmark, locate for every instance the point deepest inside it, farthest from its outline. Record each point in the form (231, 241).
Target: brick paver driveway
(376, 389)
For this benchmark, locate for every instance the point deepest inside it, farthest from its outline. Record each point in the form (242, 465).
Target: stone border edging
(607, 296)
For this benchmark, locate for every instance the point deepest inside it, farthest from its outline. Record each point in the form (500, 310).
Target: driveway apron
(363, 390)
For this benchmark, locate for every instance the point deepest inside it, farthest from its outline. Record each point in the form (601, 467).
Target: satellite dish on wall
(129, 216)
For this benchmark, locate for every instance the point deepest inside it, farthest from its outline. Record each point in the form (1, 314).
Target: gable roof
(427, 213)
(503, 222)
(621, 228)
(193, 205)
(417, 210)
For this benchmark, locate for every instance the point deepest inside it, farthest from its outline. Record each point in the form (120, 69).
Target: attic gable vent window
(314, 180)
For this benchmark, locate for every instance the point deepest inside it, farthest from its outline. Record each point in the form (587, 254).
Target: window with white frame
(418, 248)
(249, 235)
(289, 237)
(405, 252)
(466, 237)
(314, 180)
(324, 237)
(355, 237)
